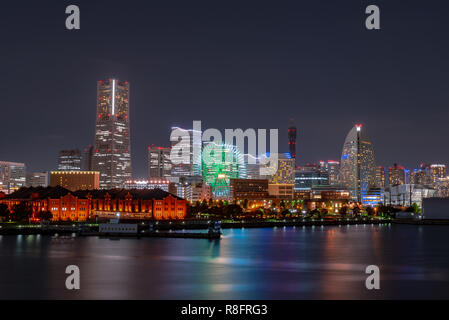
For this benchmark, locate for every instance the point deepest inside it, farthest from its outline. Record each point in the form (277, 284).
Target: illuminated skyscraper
(419, 176)
(112, 149)
(292, 139)
(380, 177)
(69, 160)
(437, 171)
(396, 175)
(357, 166)
(159, 164)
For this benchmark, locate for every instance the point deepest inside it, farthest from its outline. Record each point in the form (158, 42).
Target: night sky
(231, 64)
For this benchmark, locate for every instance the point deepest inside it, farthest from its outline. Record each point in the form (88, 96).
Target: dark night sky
(230, 64)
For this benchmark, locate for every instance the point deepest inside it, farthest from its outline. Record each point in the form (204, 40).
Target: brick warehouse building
(81, 205)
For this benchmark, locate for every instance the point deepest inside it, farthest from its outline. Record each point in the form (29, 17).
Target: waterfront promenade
(163, 228)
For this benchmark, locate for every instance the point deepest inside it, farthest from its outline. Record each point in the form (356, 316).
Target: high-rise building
(12, 176)
(357, 166)
(396, 175)
(419, 176)
(281, 184)
(159, 164)
(380, 177)
(437, 171)
(88, 156)
(75, 180)
(69, 160)
(37, 179)
(332, 168)
(112, 148)
(292, 140)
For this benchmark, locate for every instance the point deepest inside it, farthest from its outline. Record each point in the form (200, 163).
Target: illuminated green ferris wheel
(220, 163)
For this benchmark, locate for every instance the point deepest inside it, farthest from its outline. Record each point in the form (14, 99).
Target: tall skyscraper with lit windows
(357, 166)
(396, 175)
(437, 171)
(159, 164)
(112, 147)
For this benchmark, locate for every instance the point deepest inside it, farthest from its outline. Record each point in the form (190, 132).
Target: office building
(380, 177)
(396, 175)
(69, 160)
(12, 176)
(249, 189)
(309, 176)
(420, 176)
(332, 168)
(437, 171)
(159, 163)
(330, 193)
(281, 191)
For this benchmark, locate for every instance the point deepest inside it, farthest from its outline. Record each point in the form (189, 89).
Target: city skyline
(226, 158)
(229, 77)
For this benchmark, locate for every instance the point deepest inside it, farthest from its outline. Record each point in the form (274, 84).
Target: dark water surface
(280, 263)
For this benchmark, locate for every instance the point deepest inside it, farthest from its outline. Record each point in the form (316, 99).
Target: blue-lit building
(372, 197)
(357, 166)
